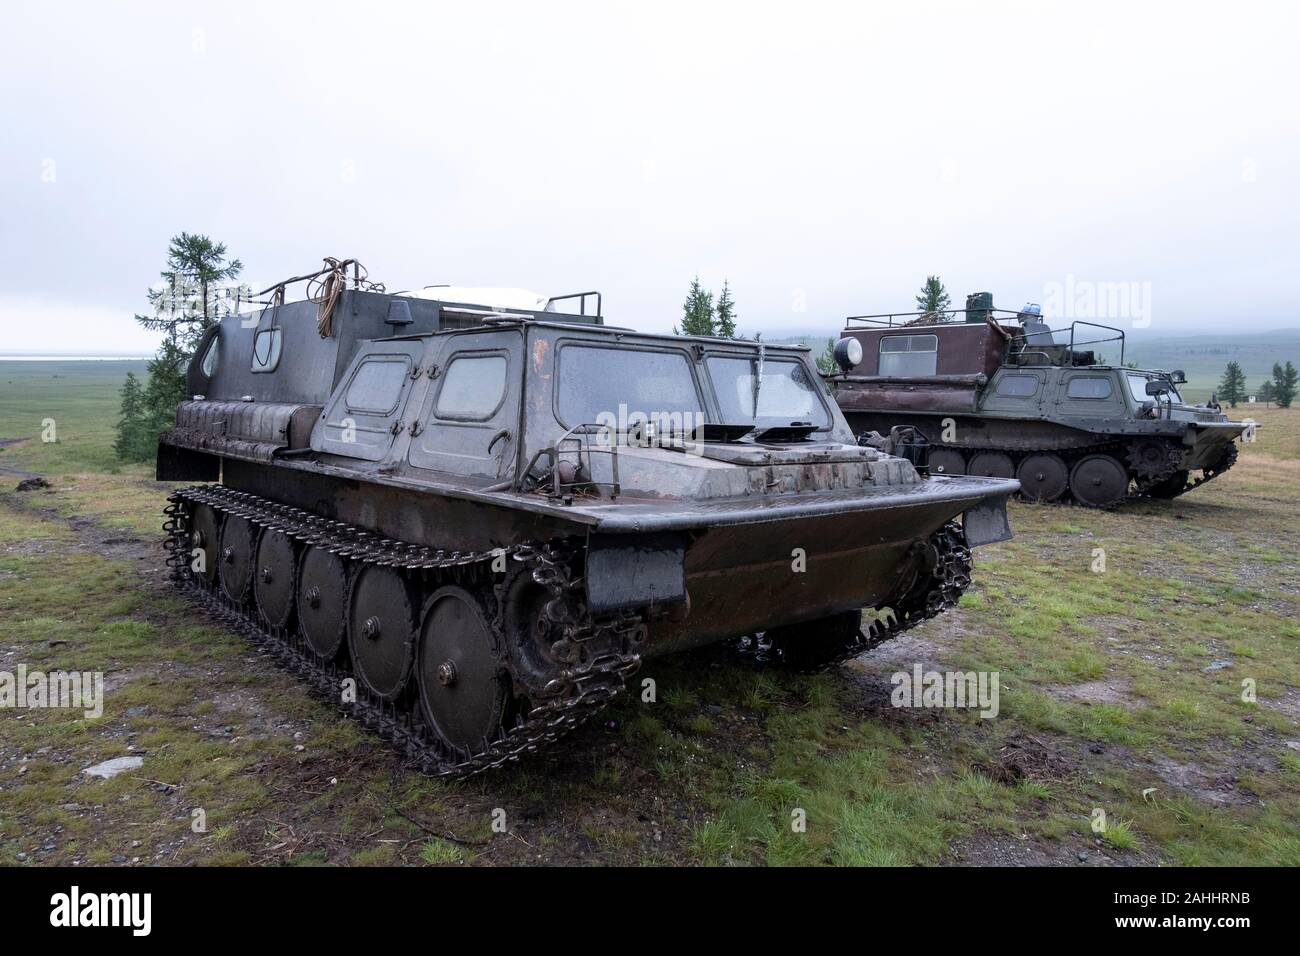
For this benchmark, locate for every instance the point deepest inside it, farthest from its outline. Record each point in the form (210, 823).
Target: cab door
(364, 413)
(470, 420)
(1016, 391)
(1090, 393)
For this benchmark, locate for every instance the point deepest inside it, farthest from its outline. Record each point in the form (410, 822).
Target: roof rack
(938, 317)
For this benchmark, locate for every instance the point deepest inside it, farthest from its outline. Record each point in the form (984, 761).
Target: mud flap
(175, 463)
(987, 522)
(635, 571)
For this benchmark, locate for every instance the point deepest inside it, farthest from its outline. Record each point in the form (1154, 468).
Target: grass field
(1121, 692)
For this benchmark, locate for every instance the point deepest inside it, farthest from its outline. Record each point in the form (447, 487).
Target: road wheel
(947, 461)
(381, 631)
(273, 577)
(236, 559)
(1098, 481)
(991, 464)
(322, 601)
(1043, 477)
(462, 686)
(205, 536)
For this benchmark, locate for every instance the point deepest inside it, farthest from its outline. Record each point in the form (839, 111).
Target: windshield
(786, 393)
(620, 385)
(1137, 384)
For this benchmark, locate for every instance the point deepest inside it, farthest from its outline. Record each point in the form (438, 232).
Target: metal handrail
(1117, 337)
(582, 302)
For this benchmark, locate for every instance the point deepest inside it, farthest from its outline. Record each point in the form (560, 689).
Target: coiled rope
(324, 289)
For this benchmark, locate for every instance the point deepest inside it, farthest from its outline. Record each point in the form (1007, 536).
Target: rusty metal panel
(959, 395)
(964, 349)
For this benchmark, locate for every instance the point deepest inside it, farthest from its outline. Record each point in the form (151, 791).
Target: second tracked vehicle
(995, 393)
(481, 518)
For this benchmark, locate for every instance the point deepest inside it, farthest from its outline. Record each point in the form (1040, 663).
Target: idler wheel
(205, 535)
(1098, 481)
(381, 631)
(235, 558)
(462, 685)
(1043, 477)
(322, 590)
(991, 464)
(947, 461)
(273, 577)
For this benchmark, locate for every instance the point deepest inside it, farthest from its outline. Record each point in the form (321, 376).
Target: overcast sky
(823, 159)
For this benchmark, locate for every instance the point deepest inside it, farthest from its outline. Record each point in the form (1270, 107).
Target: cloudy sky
(822, 158)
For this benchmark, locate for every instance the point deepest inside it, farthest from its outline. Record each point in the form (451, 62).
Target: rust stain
(540, 348)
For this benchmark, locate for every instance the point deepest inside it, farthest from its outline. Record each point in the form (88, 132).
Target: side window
(473, 388)
(1088, 386)
(211, 357)
(266, 350)
(1018, 386)
(377, 385)
(907, 356)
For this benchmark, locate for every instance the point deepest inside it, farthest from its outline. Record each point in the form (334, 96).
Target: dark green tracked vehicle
(994, 393)
(466, 524)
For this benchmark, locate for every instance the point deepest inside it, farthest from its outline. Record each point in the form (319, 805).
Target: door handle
(504, 433)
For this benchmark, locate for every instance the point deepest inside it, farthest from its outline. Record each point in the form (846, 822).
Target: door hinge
(416, 428)
(397, 428)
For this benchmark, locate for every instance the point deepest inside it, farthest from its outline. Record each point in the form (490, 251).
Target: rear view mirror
(1157, 388)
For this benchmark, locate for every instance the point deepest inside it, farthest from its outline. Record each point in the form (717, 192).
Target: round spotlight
(848, 353)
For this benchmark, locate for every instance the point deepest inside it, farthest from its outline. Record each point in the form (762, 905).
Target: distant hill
(1204, 357)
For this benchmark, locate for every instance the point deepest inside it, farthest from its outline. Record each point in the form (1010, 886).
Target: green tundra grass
(1148, 663)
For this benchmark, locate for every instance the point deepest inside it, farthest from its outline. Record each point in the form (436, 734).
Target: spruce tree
(933, 300)
(197, 276)
(1284, 384)
(697, 311)
(1232, 387)
(132, 430)
(826, 361)
(726, 326)
(1265, 393)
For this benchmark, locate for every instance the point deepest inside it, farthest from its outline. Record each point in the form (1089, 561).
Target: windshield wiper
(758, 378)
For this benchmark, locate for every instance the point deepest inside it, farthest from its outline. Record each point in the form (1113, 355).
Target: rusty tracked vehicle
(467, 524)
(995, 393)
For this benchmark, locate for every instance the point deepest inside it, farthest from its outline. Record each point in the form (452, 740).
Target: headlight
(848, 353)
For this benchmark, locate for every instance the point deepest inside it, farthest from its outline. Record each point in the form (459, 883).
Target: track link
(572, 696)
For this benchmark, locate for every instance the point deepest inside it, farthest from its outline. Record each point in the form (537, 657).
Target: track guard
(987, 522)
(625, 571)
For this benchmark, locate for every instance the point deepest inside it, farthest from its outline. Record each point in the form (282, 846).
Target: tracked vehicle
(994, 393)
(466, 524)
